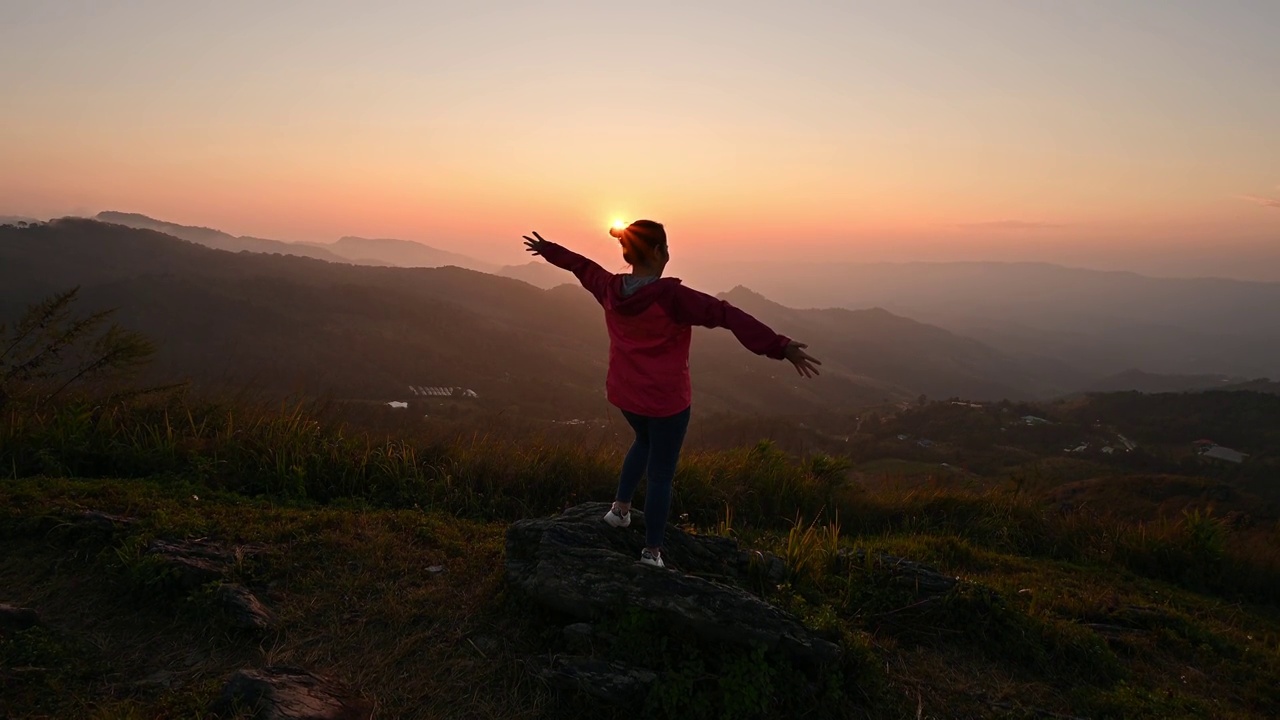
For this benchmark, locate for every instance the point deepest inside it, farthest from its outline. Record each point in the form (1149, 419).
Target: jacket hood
(640, 300)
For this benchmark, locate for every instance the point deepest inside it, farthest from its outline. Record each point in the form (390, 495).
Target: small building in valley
(439, 391)
(1217, 452)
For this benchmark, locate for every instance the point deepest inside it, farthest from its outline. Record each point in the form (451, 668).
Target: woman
(650, 321)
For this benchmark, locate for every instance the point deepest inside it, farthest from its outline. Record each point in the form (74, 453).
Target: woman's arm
(593, 277)
(696, 308)
(691, 307)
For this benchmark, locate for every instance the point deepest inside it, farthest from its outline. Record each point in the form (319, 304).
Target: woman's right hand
(532, 245)
(805, 363)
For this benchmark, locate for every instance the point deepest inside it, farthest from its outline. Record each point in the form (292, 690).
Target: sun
(619, 224)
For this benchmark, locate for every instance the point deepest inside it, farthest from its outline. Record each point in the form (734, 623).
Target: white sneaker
(616, 520)
(649, 558)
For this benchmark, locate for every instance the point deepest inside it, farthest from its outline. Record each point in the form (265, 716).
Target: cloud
(1010, 225)
(1264, 201)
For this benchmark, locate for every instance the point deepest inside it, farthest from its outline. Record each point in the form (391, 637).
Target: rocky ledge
(577, 565)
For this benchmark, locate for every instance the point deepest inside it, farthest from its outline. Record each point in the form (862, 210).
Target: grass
(903, 469)
(350, 586)
(1063, 612)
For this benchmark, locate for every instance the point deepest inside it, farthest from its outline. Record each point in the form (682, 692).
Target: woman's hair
(640, 241)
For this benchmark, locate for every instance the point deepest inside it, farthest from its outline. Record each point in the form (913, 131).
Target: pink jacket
(649, 334)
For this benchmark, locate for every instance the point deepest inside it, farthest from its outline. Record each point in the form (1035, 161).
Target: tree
(52, 348)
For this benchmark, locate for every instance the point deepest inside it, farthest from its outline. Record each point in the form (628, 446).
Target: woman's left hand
(532, 245)
(805, 363)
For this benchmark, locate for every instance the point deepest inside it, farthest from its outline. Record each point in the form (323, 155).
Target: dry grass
(351, 588)
(356, 600)
(1047, 623)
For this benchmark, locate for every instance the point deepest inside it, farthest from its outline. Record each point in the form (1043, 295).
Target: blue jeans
(657, 448)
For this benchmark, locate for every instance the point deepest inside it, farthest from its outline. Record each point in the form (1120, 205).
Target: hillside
(1055, 330)
(400, 253)
(298, 325)
(389, 252)
(391, 567)
(290, 323)
(1144, 382)
(1264, 385)
(348, 249)
(217, 239)
(1131, 455)
(1095, 323)
(914, 356)
(538, 274)
(15, 219)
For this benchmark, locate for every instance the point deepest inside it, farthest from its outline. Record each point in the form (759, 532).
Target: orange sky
(1070, 132)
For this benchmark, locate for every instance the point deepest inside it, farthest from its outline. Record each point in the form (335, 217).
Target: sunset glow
(1137, 136)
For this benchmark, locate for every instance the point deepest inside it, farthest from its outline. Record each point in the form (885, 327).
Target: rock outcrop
(198, 562)
(578, 565)
(610, 681)
(245, 609)
(195, 564)
(105, 521)
(17, 618)
(289, 693)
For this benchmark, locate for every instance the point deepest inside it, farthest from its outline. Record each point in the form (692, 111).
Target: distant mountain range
(1095, 324)
(1152, 383)
(217, 239)
(350, 249)
(296, 323)
(400, 253)
(538, 274)
(15, 219)
(299, 325)
(354, 250)
(1145, 382)
(256, 312)
(913, 356)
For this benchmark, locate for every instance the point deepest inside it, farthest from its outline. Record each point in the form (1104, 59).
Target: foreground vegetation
(1060, 611)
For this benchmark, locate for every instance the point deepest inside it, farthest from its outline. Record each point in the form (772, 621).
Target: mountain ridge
(1099, 323)
(402, 253)
(285, 317)
(902, 350)
(216, 239)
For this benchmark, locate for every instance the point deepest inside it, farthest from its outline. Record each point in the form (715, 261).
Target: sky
(1140, 135)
